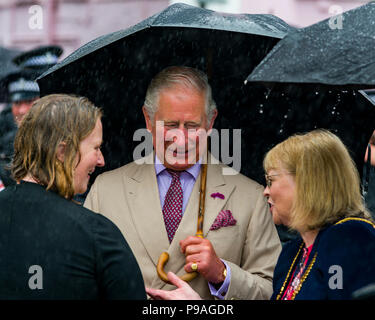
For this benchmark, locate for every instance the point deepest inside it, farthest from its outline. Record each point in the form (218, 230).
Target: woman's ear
(61, 151)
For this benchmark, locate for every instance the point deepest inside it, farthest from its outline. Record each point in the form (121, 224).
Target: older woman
(313, 187)
(50, 247)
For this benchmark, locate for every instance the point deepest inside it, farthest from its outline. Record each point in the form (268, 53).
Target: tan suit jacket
(129, 197)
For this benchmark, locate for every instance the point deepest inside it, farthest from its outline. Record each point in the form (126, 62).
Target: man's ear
(61, 151)
(147, 119)
(211, 124)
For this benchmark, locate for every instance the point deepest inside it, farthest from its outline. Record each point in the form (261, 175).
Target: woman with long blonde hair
(313, 187)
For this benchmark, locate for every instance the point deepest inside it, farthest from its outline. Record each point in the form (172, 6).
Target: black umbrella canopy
(312, 76)
(114, 70)
(336, 51)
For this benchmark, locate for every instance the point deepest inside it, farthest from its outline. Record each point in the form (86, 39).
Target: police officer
(22, 91)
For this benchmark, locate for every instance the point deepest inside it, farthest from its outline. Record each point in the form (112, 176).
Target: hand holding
(200, 253)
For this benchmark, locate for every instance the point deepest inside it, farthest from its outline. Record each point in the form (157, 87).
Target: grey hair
(179, 75)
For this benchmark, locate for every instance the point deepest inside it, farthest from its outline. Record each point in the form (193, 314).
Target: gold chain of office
(306, 273)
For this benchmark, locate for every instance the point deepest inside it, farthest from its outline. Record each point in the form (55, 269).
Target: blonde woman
(50, 247)
(313, 187)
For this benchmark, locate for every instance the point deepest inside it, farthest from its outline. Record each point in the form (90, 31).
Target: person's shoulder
(70, 208)
(6, 194)
(100, 227)
(86, 217)
(350, 227)
(349, 237)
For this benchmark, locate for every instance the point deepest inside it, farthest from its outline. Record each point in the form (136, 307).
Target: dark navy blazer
(342, 260)
(52, 248)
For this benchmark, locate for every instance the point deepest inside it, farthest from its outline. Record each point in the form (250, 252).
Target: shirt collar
(193, 170)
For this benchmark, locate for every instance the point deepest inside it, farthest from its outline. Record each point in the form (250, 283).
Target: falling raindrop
(266, 94)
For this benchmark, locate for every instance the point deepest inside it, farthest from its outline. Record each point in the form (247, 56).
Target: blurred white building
(25, 24)
(299, 13)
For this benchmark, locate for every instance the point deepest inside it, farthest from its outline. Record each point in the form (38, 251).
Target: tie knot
(174, 174)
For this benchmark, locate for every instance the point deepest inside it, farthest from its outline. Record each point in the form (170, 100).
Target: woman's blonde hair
(52, 120)
(327, 181)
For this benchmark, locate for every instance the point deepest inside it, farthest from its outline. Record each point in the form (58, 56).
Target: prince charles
(155, 204)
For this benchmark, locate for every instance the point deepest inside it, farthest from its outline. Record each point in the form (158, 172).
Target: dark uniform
(7, 135)
(21, 86)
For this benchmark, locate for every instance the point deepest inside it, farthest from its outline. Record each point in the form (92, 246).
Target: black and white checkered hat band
(43, 60)
(23, 85)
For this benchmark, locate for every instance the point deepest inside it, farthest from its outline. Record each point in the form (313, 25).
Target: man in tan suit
(237, 256)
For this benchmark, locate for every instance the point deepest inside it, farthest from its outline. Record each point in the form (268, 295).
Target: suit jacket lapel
(146, 211)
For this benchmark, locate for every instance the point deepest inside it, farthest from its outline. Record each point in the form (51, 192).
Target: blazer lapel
(146, 211)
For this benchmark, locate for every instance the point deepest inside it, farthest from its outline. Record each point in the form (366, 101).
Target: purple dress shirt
(187, 178)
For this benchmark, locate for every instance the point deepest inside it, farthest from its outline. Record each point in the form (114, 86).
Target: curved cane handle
(163, 259)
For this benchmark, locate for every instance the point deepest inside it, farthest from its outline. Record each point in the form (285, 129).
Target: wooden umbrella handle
(164, 257)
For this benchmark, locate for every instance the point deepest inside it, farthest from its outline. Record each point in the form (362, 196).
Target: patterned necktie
(172, 208)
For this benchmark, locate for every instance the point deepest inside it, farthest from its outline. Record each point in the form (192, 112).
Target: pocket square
(223, 219)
